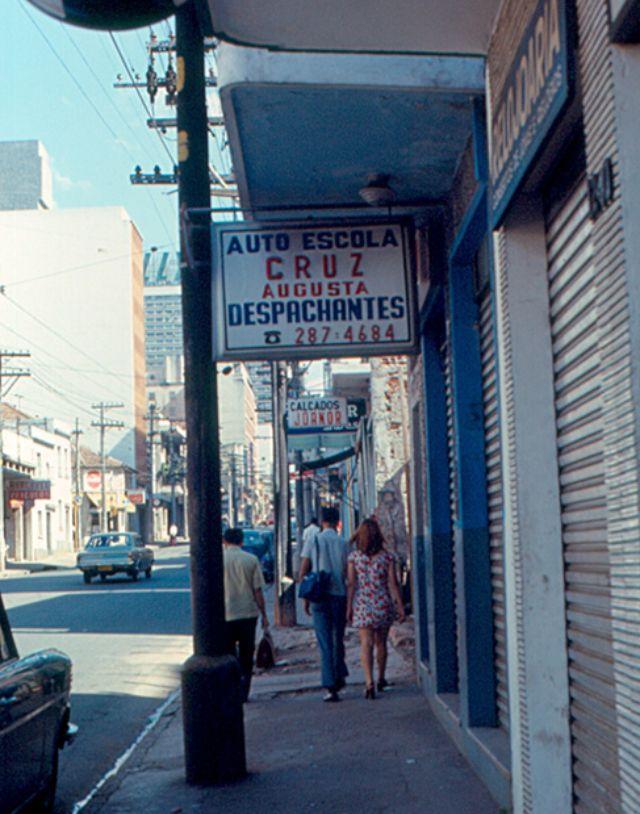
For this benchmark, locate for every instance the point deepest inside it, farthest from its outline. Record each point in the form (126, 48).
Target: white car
(115, 552)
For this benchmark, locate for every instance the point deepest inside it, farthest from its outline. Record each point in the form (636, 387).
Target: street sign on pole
(313, 291)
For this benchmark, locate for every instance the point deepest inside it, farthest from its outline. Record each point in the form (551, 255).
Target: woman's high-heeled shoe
(370, 692)
(382, 684)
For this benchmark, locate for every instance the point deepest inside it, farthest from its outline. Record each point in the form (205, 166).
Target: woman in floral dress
(371, 595)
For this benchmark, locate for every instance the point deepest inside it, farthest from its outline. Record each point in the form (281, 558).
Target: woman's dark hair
(368, 537)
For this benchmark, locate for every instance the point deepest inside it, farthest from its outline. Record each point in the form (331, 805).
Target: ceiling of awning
(309, 130)
(374, 26)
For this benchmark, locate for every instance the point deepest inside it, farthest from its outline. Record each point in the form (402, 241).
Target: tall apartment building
(163, 324)
(73, 297)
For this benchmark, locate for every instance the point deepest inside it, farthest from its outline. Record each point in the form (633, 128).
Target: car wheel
(134, 574)
(86, 577)
(147, 572)
(103, 577)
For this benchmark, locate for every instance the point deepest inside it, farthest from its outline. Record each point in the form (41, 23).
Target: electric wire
(53, 331)
(140, 96)
(126, 123)
(84, 266)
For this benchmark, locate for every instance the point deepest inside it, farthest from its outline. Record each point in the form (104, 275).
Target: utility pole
(104, 424)
(14, 373)
(151, 523)
(285, 598)
(77, 498)
(211, 692)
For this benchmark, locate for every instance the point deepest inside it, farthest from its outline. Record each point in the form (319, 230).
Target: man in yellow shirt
(244, 602)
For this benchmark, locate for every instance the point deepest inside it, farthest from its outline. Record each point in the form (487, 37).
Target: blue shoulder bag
(315, 585)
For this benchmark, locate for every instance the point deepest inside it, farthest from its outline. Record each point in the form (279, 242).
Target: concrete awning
(309, 129)
(371, 26)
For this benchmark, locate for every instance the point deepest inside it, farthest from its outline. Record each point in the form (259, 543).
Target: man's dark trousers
(329, 620)
(241, 642)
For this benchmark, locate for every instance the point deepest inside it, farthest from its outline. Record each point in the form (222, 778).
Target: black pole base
(213, 721)
(286, 610)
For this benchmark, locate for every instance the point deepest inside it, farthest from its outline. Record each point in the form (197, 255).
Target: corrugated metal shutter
(583, 503)
(445, 351)
(494, 497)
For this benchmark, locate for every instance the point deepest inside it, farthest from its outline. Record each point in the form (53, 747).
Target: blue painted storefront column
(473, 561)
(439, 543)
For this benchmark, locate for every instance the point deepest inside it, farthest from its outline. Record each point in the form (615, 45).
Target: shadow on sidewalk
(380, 757)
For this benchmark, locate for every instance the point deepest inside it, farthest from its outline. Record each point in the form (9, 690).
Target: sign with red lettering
(312, 290)
(30, 490)
(316, 414)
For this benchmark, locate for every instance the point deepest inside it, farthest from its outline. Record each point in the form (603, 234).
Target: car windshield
(109, 540)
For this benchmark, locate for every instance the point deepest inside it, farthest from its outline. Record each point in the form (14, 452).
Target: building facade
(74, 298)
(523, 395)
(37, 499)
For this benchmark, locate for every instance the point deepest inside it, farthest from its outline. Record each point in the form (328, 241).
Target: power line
(54, 331)
(32, 344)
(79, 268)
(122, 118)
(68, 71)
(140, 96)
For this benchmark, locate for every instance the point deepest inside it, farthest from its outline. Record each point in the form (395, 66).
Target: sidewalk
(376, 757)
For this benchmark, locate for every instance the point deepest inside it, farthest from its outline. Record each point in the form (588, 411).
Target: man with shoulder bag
(323, 588)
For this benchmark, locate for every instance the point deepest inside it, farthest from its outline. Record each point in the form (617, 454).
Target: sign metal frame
(518, 139)
(322, 350)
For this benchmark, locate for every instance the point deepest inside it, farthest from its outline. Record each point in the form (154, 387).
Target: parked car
(34, 723)
(115, 552)
(260, 544)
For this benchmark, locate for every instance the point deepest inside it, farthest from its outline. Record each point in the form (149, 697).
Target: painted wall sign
(536, 89)
(601, 189)
(312, 290)
(30, 490)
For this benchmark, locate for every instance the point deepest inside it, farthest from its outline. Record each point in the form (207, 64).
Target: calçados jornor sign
(312, 291)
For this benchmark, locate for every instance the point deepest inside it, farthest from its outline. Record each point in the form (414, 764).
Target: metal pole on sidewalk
(211, 695)
(285, 607)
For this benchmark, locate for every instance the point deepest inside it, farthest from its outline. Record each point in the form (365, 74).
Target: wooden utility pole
(211, 693)
(151, 512)
(104, 424)
(77, 497)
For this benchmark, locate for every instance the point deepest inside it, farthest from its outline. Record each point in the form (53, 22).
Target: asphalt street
(127, 641)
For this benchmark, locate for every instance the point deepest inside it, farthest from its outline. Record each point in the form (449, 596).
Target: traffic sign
(93, 480)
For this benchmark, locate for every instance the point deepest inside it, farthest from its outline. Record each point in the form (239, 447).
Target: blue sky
(93, 133)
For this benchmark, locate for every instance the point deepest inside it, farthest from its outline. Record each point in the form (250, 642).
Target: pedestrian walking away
(244, 603)
(327, 551)
(373, 599)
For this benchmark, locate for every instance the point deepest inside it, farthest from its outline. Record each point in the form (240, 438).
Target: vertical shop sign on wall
(536, 89)
(313, 290)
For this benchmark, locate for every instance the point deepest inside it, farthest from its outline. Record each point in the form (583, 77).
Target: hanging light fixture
(377, 192)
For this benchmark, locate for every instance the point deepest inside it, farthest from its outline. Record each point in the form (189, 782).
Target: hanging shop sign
(315, 414)
(312, 290)
(535, 90)
(92, 480)
(137, 496)
(30, 490)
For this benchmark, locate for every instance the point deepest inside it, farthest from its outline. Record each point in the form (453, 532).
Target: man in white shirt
(327, 551)
(243, 601)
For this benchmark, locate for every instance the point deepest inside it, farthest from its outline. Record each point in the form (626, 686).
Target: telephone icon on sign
(272, 337)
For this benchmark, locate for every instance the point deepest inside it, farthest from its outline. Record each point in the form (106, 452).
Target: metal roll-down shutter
(494, 497)
(578, 400)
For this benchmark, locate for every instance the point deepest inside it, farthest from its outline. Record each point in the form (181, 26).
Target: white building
(73, 297)
(38, 480)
